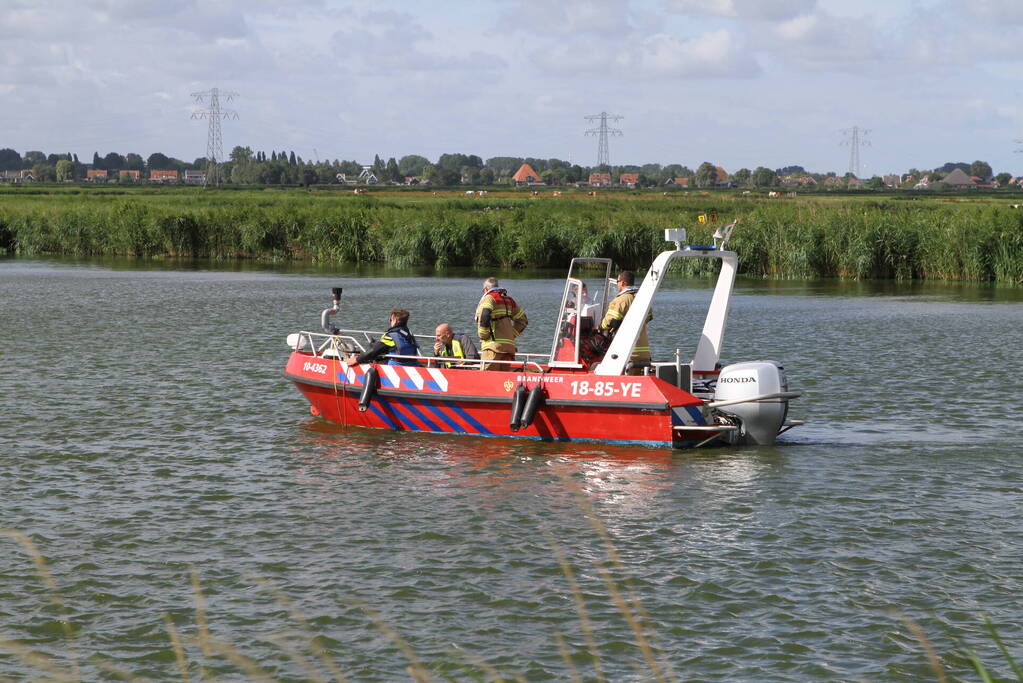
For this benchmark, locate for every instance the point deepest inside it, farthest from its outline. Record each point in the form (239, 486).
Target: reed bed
(933, 238)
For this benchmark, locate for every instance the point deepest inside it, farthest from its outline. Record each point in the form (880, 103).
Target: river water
(149, 441)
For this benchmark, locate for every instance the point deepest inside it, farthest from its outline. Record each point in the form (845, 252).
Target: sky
(739, 83)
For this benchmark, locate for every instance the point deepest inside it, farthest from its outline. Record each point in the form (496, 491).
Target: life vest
(402, 343)
(456, 352)
(456, 349)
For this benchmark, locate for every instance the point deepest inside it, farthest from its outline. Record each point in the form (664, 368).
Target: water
(146, 433)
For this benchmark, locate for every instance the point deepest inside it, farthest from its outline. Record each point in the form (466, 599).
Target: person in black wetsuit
(397, 340)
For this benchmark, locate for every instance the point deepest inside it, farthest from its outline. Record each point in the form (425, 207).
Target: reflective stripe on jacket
(616, 311)
(461, 347)
(499, 320)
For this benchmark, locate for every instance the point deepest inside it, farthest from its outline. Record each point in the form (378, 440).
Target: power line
(855, 141)
(214, 141)
(602, 132)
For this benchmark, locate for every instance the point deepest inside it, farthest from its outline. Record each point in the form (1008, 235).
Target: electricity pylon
(602, 132)
(856, 139)
(214, 141)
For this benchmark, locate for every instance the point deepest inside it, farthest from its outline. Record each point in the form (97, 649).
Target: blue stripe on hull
(458, 410)
(439, 412)
(418, 414)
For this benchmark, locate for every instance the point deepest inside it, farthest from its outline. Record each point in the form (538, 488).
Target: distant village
(245, 167)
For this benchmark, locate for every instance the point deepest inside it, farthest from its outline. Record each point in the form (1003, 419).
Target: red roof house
(163, 176)
(629, 179)
(600, 179)
(526, 175)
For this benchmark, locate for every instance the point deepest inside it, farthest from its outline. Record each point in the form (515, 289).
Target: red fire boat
(580, 391)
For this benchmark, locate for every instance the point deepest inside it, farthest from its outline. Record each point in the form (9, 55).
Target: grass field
(858, 235)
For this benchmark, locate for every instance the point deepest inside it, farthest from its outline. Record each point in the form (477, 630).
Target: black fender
(369, 389)
(534, 402)
(518, 404)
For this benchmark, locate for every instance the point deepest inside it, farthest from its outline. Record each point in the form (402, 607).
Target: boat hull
(575, 406)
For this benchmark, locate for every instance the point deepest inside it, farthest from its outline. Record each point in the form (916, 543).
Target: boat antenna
(724, 233)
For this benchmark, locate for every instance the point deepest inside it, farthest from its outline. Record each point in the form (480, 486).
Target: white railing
(344, 342)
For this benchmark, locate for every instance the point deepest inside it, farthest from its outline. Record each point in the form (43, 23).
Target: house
(95, 175)
(409, 180)
(892, 180)
(163, 176)
(629, 179)
(128, 175)
(834, 181)
(526, 176)
(367, 176)
(600, 180)
(678, 182)
(804, 180)
(195, 176)
(855, 182)
(957, 178)
(17, 176)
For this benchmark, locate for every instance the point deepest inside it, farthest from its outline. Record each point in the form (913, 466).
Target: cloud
(390, 42)
(760, 10)
(717, 53)
(995, 11)
(824, 42)
(568, 17)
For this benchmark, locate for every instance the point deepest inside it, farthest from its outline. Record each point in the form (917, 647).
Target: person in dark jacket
(397, 340)
(451, 345)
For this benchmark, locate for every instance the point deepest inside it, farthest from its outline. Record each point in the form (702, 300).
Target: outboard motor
(742, 382)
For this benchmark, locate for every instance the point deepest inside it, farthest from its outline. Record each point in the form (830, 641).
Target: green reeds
(815, 237)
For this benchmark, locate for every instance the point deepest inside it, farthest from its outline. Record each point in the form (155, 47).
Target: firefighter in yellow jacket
(499, 320)
(616, 311)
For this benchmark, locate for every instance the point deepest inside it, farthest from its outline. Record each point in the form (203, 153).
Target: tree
(10, 160)
(393, 173)
(1003, 178)
(158, 162)
(65, 170)
(134, 162)
(43, 172)
(981, 169)
(505, 166)
(953, 165)
(742, 176)
(241, 154)
(791, 170)
(442, 176)
(113, 161)
(763, 177)
(706, 175)
(34, 158)
(412, 164)
(876, 183)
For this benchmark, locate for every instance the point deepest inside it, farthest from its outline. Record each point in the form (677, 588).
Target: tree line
(245, 166)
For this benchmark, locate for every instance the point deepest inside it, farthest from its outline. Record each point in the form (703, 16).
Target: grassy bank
(948, 238)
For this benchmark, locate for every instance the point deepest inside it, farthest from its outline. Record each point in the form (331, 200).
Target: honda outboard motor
(760, 420)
